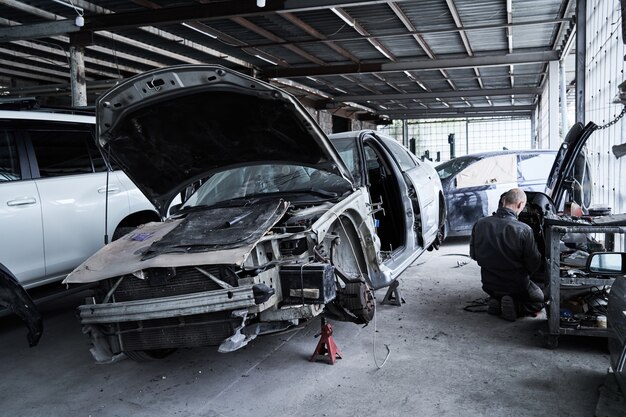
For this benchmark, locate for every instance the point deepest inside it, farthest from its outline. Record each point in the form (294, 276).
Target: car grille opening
(176, 332)
(187, 280)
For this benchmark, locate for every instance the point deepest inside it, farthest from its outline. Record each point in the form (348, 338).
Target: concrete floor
(444, 361)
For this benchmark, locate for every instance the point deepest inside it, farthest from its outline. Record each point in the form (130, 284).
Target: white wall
(604, 72)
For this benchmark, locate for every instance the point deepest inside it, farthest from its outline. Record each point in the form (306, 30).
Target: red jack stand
(326, 348)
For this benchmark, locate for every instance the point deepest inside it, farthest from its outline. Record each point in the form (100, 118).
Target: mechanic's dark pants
(526, 303)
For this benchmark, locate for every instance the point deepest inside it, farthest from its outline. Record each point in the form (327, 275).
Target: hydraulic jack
(326, 348)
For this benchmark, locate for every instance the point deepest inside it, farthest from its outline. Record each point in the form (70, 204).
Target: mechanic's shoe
(508, 308)
(493, 307)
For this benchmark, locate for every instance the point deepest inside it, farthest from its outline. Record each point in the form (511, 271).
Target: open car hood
(566, 160)
(169, 127)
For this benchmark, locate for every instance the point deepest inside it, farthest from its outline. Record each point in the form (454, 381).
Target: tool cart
(558, 279)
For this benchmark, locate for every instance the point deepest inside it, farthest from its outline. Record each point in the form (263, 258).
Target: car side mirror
(174, 208)
(607, 263)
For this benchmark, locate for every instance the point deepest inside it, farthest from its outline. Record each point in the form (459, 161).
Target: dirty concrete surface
(443, 361)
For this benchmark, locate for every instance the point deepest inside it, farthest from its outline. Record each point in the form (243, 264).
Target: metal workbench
(553, 233)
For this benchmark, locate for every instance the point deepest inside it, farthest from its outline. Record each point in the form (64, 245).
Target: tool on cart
(326, 348)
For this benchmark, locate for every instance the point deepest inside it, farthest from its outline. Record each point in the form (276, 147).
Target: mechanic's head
(515, 199)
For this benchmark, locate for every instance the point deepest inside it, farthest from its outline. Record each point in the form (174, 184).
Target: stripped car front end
(271, 230)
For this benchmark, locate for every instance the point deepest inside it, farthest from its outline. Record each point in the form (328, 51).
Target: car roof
(482, 155)
(48, 115)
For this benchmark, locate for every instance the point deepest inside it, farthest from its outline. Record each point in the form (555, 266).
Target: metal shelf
(553, 235)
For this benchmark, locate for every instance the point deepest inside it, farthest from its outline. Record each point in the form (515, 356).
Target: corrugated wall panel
(604, 72)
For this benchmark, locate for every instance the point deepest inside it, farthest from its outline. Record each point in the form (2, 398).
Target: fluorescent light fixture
(314, 79)
(343, 15)
(266, 60)
(421, 84)
(382, 107)
(210, 35)
(340, 90)
(66, 4)
(382, 51)
(442, 102)
(408, 74)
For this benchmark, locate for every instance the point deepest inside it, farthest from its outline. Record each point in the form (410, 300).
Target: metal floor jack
(392, 296)
(326, 348)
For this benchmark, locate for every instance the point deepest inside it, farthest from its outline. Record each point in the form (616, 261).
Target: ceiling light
(421, 84)
(408, 74)
(382, 51)
(343, 15)
(210, 35)
(266, 60)
(340, 90)
(260, 3)
(314, 79)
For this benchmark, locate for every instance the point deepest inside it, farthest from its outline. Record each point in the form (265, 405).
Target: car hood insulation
(128, 254)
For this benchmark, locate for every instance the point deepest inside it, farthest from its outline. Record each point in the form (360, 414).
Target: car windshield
(259, 180)
(452, 167)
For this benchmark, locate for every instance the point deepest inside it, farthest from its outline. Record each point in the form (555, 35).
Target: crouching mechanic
(506, 251)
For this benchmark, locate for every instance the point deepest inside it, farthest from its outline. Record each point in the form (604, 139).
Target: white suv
(52, 195)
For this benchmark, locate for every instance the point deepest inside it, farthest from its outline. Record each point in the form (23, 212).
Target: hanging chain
(612, 122)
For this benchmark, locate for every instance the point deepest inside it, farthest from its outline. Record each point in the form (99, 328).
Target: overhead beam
(430, 64)
(433, 115)
(37, 30)
(491, 92)
(462, 111)
(403, 34)
(213, 11)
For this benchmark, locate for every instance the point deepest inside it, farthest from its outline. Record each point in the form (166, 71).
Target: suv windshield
(259, 180)
(454, 166)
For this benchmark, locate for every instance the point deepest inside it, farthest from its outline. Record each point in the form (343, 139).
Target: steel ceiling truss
(358, 64)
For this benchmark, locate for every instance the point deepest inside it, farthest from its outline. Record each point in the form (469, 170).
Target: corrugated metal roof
(362, 51)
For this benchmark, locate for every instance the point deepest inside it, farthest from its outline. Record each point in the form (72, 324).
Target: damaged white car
(273, 229)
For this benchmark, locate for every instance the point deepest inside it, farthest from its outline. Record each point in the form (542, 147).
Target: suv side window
(66, 152)
(9, 159)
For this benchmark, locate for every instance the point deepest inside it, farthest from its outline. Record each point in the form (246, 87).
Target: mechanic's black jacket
(506, 251)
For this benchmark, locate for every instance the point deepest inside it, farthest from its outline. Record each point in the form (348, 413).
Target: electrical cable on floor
(374, 343)
(375, 309)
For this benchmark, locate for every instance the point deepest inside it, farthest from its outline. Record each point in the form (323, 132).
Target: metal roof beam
(434, 64)
(212, 11)
(443, 94)
(27, 75)
(292, 18)
(463, 110)
(434, 115)
(37, 30)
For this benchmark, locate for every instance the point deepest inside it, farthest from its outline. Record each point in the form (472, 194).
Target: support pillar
(405, 133)
(78, 83)
(581, 58)
(554, 139)
(563, 96)
(77, 76)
